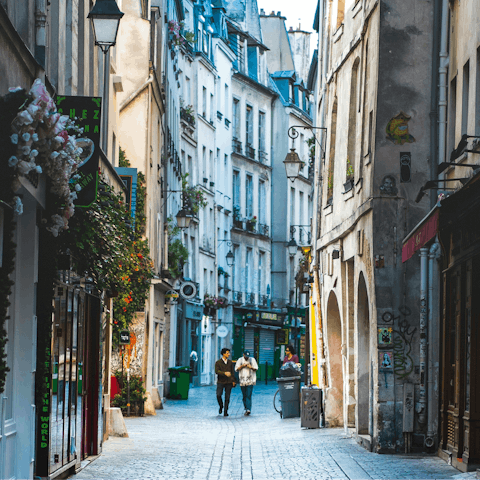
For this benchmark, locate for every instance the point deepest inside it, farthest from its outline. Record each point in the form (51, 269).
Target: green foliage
(122, 159)
(350, 171)
(189, 36)
(137, 390)
(311, 148)
(193, 197)
(177, 256)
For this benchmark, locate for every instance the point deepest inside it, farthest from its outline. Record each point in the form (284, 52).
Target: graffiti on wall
(397, 129)
(402, 341)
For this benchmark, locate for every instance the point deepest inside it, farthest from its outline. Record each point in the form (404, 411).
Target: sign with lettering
(129, 178)
(124, 337)
(268, 316)
(422, 234)
(281, 336)
(86, 111)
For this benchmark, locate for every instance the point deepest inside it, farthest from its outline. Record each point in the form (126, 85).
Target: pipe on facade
(40, 32)
(433, 329)
(422, 403)
(442, 83)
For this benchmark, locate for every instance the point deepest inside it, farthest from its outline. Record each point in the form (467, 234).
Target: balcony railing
(238, 223)
(263, 157)
(263, 301)
(304, 237)
(249, 298)
(237, 298)
(263, 229)
(187, 117)
(249, 151)
(236, 145)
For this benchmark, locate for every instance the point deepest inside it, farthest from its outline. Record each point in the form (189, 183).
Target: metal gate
(267, 346)
(249, 340)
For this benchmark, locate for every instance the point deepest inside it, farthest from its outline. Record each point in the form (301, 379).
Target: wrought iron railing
(249, 298)
(263, 157)
(188, 117)
(263, 300)
(237, 298)
(249, 151)
(237, 145)
(263, 229)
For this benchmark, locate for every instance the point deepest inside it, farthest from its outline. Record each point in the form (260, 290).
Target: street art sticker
(389, 186)
(385, 336)
(385, 360)
(397, 129)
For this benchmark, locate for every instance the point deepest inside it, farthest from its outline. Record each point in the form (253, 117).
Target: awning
(421, 234)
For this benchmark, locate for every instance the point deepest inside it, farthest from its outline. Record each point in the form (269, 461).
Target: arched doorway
(364, 396)
(334, 392)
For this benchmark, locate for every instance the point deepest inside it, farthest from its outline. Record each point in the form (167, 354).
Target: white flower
(38, 169)
(73, 196)
(35, 137)
(24, 167)
(76, 177)
(14, 89)
(12, 161)
(25, 150)
(33, 153)
(78, 187)
(23, 118)
(14, 139)
(17, 206)
(54, 155)
(26, 137)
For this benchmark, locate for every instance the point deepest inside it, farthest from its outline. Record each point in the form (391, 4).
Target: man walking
(225, 380)
(247, 367)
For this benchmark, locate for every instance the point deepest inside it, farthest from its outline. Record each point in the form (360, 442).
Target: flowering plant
(214, 302)
(194, 197)
(252, 220)
(41, 142)
(174, 29)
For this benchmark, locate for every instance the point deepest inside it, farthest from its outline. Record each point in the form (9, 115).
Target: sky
(293, 10)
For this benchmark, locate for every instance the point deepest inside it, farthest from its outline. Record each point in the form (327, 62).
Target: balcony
(305, 237)
(249, 298)
(187, 116)
(263, 229)
(263, 301)
(237, 298)
(263, 157)
(249, 151)
(236, 145)
(238, 223)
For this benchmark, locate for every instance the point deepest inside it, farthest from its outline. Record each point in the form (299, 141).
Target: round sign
(222, 331)
(171, 294)
(188, 290)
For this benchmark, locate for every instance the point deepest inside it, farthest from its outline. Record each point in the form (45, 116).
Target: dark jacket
(221, 368)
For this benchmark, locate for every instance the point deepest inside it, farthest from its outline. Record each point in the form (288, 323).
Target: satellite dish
(222, 331)
(188, 290)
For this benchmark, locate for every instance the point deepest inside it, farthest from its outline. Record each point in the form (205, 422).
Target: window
(226, 101)
(352, 123)
(204, 103)
(241, 56)
(261, 282)
(236, 190)
(465, 92)
(249, 196)
(252, 63)
(248, 270)
(301, 217)
(261, 136)
(210, 167)
(187, 91)
(340, 12)
(225, 162)
(204, 161)
(249, 126)
(189, 169)
(211, 108)
(192, 260)
(236, 118)
(333, 137)
(262, 202)
(236, 267)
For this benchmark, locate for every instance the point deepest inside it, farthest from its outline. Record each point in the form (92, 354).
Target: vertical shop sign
(129, 178)
(86, 111)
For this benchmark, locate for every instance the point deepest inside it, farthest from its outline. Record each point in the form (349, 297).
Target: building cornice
(246, 79)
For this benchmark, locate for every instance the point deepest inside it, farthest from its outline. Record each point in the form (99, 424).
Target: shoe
(225, 414)
(247, 412)
(220, 410)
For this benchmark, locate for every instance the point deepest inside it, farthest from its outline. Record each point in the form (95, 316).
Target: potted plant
(348, 185)
(251, 223)
(237, 220)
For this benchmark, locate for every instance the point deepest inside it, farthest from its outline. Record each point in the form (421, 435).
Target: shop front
(261, 333)
(70, 410)
(193, 314)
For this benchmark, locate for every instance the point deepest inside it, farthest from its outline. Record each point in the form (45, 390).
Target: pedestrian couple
(246, 367)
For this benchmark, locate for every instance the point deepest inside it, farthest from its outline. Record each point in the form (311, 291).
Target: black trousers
(228, 389)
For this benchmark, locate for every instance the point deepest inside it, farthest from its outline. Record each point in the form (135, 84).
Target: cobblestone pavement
(189, 440)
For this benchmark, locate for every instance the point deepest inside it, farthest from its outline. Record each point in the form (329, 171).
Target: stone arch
(364, 364)
(334, 391)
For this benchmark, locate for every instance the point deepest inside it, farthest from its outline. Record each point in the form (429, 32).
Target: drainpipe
(433, 329)
(422, 403)
(442, 83)
(40, 33)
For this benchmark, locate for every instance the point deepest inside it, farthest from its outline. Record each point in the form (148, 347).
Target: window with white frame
(249, 195)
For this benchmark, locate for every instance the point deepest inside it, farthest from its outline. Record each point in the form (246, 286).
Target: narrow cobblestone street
(189, 440)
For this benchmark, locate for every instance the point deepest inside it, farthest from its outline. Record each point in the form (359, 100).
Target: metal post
(266, 373)
(106, 67)
(128, 392)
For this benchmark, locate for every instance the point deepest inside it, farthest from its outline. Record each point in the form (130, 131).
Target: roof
(284, 74)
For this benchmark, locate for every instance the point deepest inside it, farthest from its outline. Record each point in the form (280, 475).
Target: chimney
(279, 14)
(272, 14)
(291, 29)
(262, 11)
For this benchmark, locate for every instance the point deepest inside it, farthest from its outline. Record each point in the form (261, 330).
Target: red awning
(422, 233)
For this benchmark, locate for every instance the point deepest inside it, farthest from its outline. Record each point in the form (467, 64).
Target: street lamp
(293, 165)
(184, 217)
(105, 17)
(292, 247)
(230, 258)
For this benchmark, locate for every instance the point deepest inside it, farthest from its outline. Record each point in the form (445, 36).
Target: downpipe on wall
(421, 407)
(433, 329)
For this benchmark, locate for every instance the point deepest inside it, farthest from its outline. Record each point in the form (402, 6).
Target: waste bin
(179, 382)
(289, 388)
(311, 407)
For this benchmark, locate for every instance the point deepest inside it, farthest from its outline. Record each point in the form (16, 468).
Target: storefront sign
(281, 336)
(422, 234)
(222, 331)
(268, 316)
(87, 114)
(194, 311)
(129, 178)
(124, 337)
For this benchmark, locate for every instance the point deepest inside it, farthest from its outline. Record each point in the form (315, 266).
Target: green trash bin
(179, 382)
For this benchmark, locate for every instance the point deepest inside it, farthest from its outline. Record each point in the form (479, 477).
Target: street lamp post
(105, 17)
